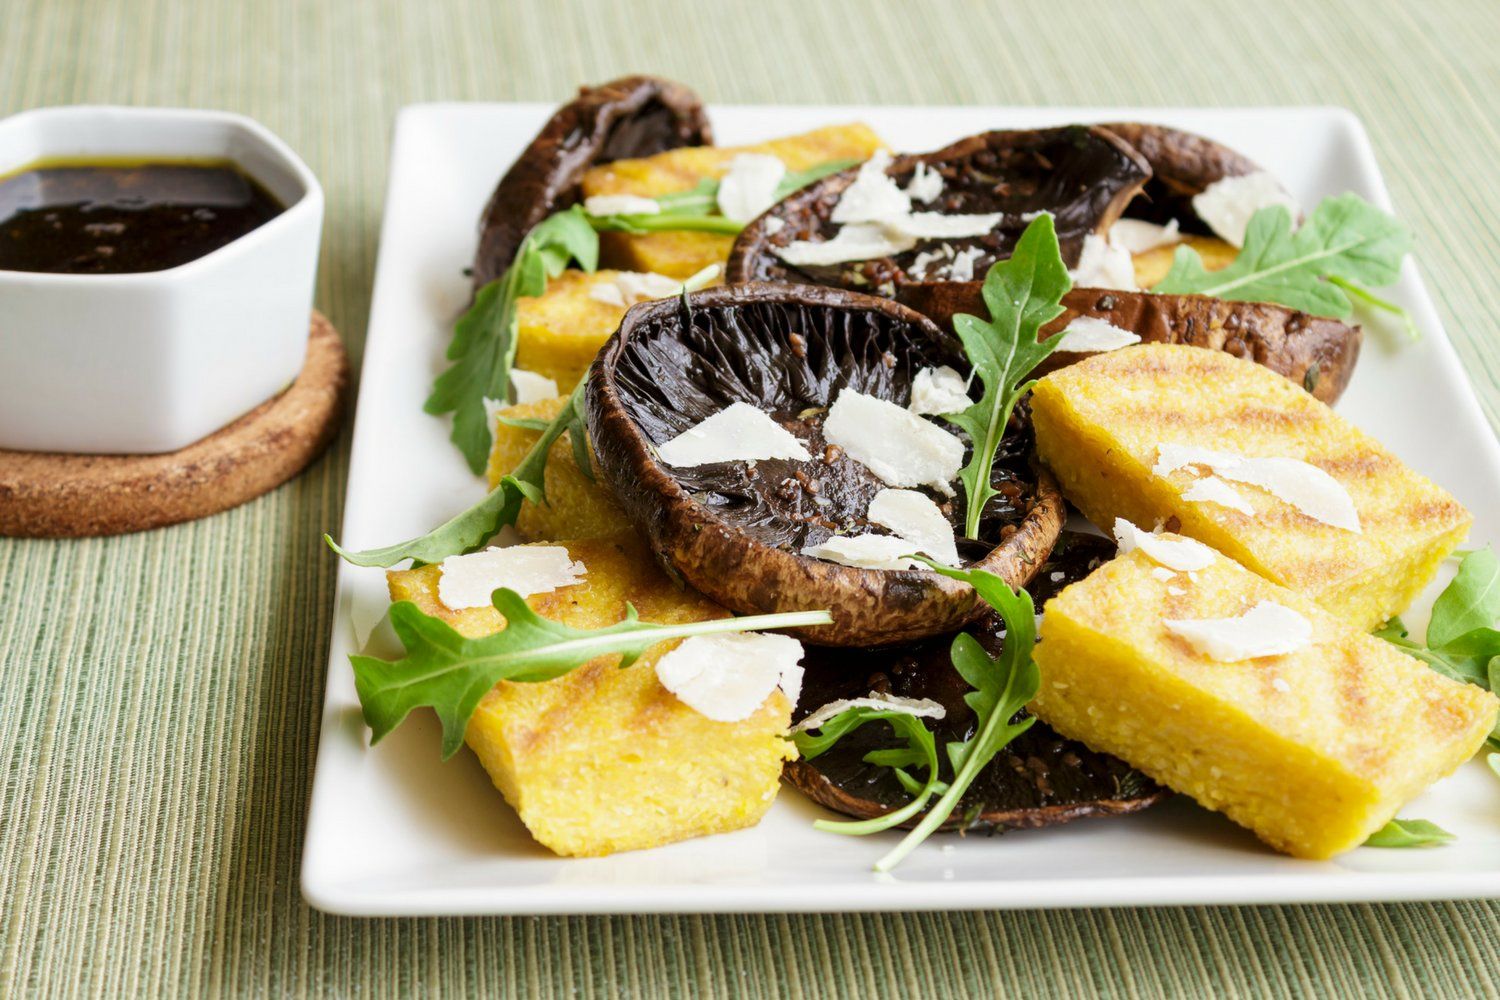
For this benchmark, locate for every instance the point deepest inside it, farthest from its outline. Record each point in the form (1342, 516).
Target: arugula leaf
(1023, 294)
(1002, 687)
(920, 750)
(483, 348)
(484, 338)
(1494, 761)
(1369, 298)
(1409, 833)
(1470, 602)
(525, 423)
(796, 180)
(450, 673)
(697, 209)
(1462, 642)
(471, 529)
(1345, 238)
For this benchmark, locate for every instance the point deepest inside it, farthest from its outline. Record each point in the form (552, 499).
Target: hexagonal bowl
(150, 362)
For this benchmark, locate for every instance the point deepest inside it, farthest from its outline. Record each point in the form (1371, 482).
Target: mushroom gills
(737, 530)
(1040, 779)
(788, 503)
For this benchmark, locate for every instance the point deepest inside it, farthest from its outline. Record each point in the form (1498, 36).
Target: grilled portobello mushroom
(1040, 779)
(735, 530)
(1182, 165)
(1084, 176)
(1316, 352)
(629, 117)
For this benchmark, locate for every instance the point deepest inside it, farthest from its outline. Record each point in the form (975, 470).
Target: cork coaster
(50, 495)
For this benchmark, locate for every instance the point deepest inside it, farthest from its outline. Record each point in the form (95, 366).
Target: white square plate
(394, 830)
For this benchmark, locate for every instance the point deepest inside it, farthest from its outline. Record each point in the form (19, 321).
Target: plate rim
(337, 896)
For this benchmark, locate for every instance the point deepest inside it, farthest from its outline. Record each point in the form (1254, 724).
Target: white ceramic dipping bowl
(151, 362)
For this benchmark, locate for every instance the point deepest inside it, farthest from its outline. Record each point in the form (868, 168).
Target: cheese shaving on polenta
(1268, 629)
(728, 677)
(1182, 554)
(1306, 487)
(468, 581)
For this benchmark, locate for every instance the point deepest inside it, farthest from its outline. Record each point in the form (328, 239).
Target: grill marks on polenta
(1099, 425)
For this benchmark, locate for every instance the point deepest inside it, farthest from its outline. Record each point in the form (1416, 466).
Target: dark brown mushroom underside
(1182, 165)
(1040, 779)
(1084, 176)
(1316, 352)
(734, 530)
(629, 117)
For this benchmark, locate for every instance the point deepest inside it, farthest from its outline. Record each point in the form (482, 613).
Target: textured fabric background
(159, 693)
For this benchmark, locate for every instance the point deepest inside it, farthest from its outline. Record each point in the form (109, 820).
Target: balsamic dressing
(125, 218)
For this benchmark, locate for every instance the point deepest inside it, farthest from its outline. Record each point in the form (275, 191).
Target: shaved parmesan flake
(621, 204)
(1089, 334)
(864, 241)
(897, 445)
(939, 390)
(917, 519)
(749, 188)
(922, 708)
(1171, 457)
(1268, 629)
(939, 226)
(1138, 236)
(1162, 573)
(924, 260)
(864, 551)
(609, 293)
(469, 581)
(962, 268)
(638, 286)
(629, 287)
(774, 225)
(1306, 487)
(873, 196)
(531, 387)
(728, 677)
(1102, 265)
(1215, 490)
(925, 184)
(1228, 203)
(1181, 554)
(737, 433)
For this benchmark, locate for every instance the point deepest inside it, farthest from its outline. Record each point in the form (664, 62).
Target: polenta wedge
(559, 332)
(1101, 424)
(1313, 750)
(603, 759)
(577, 506)
(683, 254)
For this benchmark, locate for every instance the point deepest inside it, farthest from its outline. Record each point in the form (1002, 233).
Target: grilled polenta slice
(603, 759)
(577, 506)
(1313, 750)
(559, 332)
(1099, 424)
(1152, 265)
(683, 254)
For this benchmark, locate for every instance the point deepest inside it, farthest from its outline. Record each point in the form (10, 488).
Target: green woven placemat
(159, 694)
